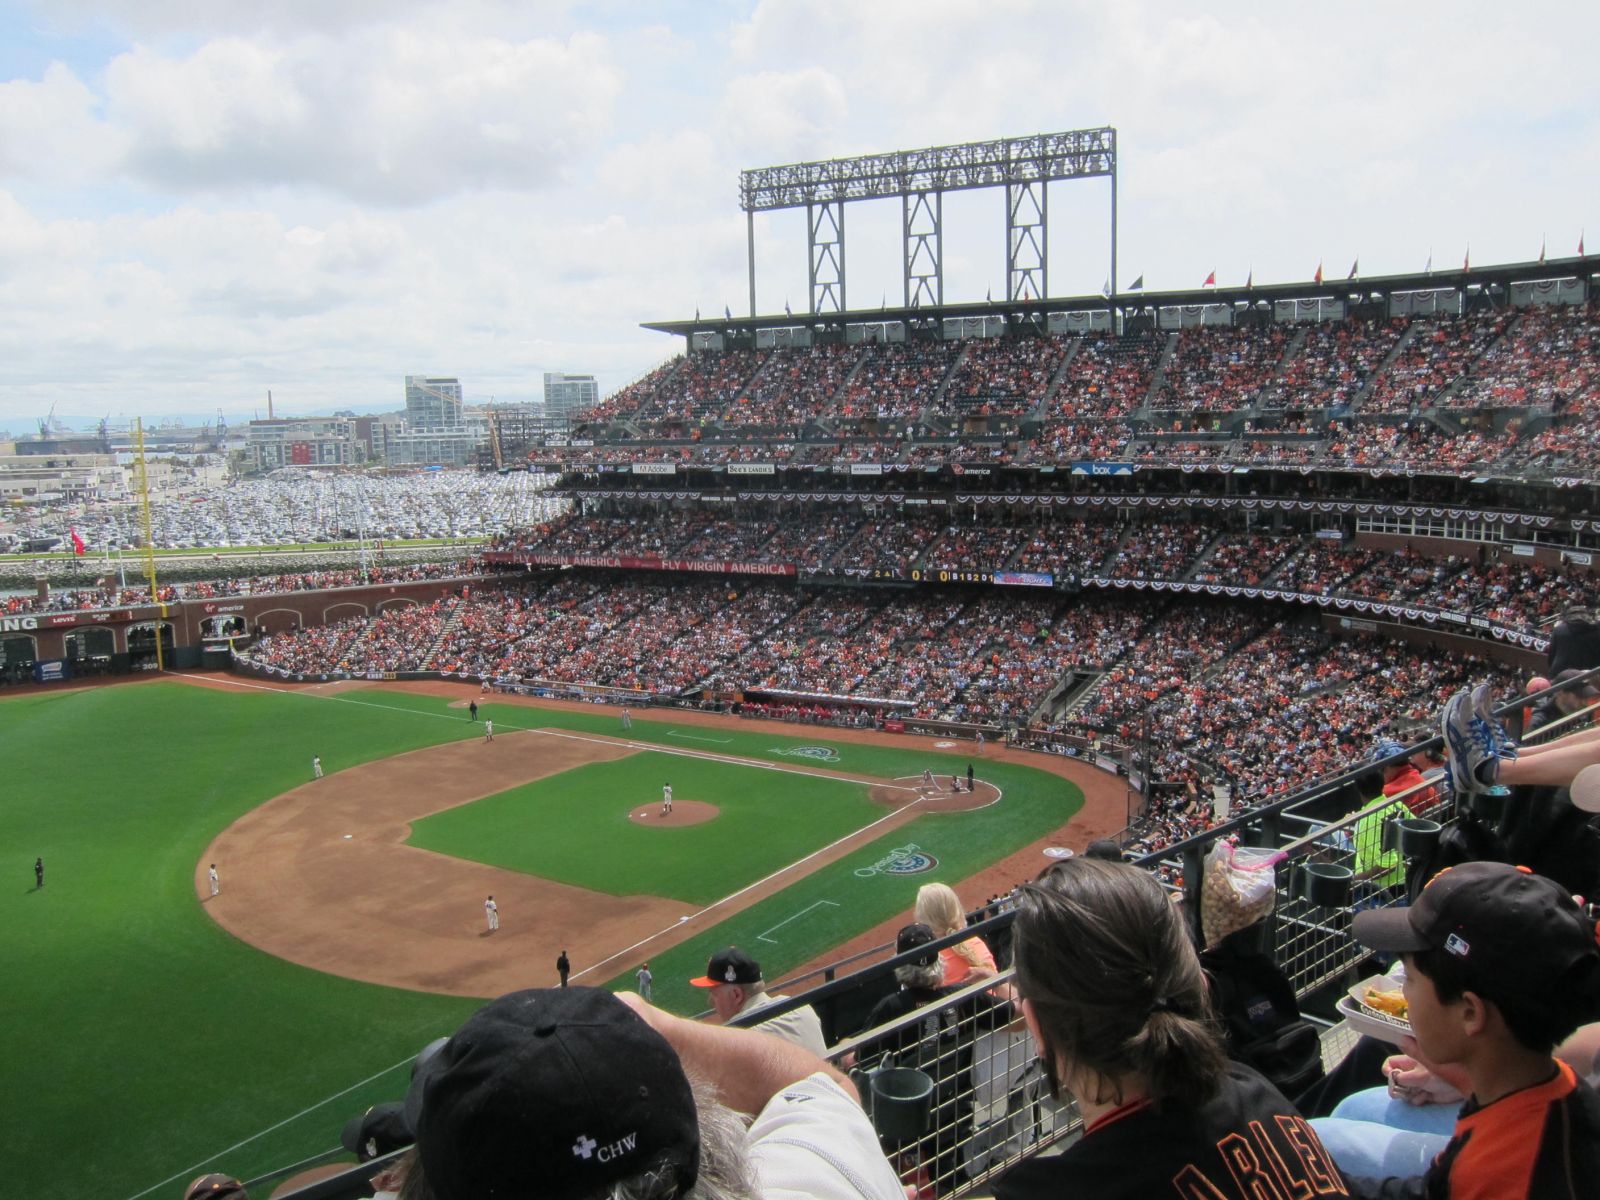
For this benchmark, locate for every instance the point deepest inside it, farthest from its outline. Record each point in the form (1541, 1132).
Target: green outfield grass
(143, 1044)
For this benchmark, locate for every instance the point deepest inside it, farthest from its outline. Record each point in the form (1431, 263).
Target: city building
(433, 402)
(567, 395)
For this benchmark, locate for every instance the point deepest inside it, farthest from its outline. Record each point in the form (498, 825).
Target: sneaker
(1488, 725)
(1466, 744)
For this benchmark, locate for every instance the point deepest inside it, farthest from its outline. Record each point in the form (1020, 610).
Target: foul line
(732, 896)
(762, 936)
(270, 1128)
(689, 737)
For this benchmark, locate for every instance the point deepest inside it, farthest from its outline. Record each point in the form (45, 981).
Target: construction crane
(494, 442)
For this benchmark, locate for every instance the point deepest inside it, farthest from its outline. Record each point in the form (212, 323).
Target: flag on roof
(1136, 284)
(727, 312)
(1105, 288)
(1317, 278)
(1355, 268)
(1211, 279)
(1250, 280)
(1466, 259)
(1543, 242)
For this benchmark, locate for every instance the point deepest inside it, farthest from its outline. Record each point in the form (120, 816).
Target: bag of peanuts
(1239, 888)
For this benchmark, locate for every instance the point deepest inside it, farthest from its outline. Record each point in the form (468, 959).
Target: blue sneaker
(1487, 725)
(1466, 745)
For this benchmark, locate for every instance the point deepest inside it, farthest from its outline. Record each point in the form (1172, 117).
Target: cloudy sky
(204, 199)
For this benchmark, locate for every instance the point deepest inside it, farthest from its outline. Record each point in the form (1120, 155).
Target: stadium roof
(1361, 289)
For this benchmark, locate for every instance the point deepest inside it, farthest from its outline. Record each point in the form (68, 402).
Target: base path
(322, 876)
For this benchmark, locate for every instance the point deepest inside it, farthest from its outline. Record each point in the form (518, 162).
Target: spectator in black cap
(1501, 966)
(577, 1094)
(1104, 848)
(735, 987)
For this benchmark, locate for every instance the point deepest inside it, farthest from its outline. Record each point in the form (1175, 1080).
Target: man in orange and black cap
(736, 987)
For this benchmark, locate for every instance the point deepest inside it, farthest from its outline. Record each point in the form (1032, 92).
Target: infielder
(645, 980)
(488, 730)
(627, 719)
(212, 875)
(316, 766)
(666, 799)
(492, 911)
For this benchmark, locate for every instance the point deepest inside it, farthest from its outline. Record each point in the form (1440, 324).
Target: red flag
(1317, 278)
(1211, 280)
(78, 547)
(1580, 245)
(1251, 281)
(1466, 260)
(1541, 250)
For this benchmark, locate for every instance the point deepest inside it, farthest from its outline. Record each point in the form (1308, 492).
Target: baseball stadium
(830, 606)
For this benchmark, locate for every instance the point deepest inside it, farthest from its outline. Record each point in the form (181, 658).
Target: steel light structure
(1024, 166)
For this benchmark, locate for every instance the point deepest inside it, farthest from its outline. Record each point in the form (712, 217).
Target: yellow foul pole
(149, 537)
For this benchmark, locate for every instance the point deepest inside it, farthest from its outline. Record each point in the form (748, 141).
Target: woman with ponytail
(1114, 996)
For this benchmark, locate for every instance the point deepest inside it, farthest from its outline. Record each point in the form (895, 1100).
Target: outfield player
(666, 799)
(316, 766)
(38, 874)
(492, 911)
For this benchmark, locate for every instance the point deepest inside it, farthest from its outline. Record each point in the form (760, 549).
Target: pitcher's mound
(684, 812)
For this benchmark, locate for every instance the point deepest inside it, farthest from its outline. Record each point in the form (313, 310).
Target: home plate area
(938, 796)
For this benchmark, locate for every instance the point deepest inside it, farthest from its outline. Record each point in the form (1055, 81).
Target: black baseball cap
(1103, 848)
(912, 936)
(732, 965)
(377, 1131)
(1513, 930)
(556, 1091)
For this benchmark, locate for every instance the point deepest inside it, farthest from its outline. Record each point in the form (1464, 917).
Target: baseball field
(154, 1031)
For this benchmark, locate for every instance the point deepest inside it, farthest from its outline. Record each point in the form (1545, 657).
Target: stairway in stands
(450, 623)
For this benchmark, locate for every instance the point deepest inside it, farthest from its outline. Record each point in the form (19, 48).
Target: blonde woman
(939, 908)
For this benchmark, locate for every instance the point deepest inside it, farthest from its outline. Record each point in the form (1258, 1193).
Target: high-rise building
(432, 403)
(567, 395)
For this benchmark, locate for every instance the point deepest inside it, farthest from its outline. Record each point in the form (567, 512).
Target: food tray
(1371, 1021)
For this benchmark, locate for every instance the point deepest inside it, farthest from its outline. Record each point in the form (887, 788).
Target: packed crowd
(1220, 369)
(702, 387)
(1227, 694)
(897, 380)
(1004, 376)
(796, 385)
(1434, 358)
(1176, 549)
(1543, 358)
(1108, 376)
(1333, 363)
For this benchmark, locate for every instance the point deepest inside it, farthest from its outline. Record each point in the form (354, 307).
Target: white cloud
(783, 115)
(49, 129)
(385, 116)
